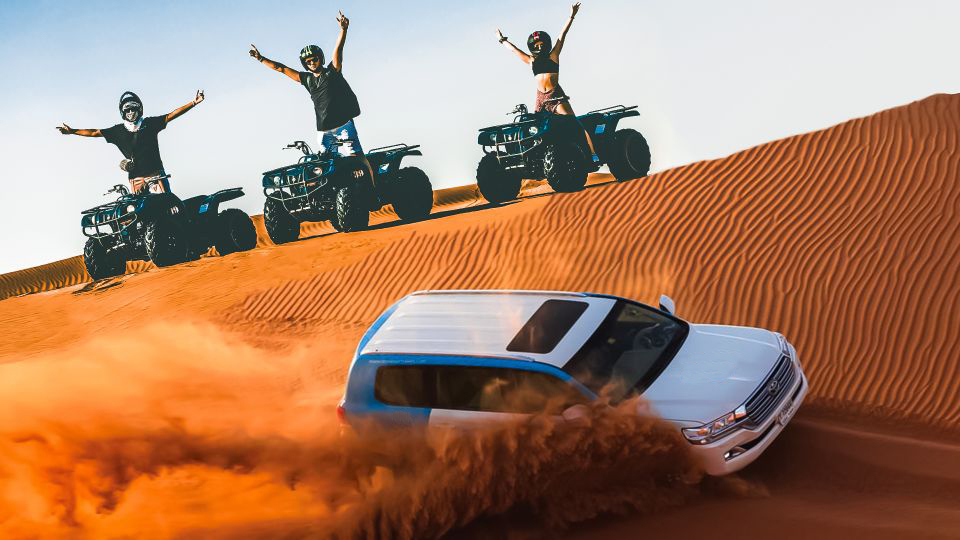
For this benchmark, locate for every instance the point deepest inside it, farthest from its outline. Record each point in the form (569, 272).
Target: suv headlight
(784, 345)
(716, 430)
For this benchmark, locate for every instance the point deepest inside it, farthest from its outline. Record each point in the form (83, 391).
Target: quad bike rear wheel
(411, 194)
(352, 214)
(235, 232)
(564, 167)
(496, 184)
(281, 226)
(166, 244)
(629, 155)
(101, 263)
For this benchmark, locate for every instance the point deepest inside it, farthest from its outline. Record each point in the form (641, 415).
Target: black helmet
(130, 102)
(308, 51)
(540, 36)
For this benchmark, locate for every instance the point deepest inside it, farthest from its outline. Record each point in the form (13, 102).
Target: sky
(710, 78)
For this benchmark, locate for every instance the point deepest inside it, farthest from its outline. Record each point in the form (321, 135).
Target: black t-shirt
(333, 101)
(140, 146)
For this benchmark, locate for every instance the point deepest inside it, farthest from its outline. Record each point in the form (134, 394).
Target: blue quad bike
(338, 189)
(159, 227)
(552, 146)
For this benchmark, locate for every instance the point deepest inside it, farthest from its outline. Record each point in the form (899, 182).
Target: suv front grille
(770, 393)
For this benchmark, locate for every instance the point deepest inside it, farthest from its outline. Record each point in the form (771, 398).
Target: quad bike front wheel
(166, 244)
(564, 167)
(352, 214)
(496, 184)
(629, 155)
(235, 232)
(411, 194)
(281, 226)
(101, 263)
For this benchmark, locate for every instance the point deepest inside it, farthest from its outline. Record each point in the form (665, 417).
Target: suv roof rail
(497, 291)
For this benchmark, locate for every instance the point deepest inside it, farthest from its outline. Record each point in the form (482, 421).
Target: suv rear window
(547, 326)
(474, 388)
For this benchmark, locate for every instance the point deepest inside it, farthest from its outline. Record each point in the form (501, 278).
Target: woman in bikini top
(544, 58)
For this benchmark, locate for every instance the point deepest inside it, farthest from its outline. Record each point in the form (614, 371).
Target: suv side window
(474, 388)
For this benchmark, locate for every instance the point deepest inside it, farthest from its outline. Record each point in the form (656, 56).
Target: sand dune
(846, 240)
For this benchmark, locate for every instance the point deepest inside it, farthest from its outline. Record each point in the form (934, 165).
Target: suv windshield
(628, 351)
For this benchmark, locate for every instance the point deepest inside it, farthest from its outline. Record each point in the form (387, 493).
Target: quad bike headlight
(716, 430)
(533, 130)
(493, 138)
(131, 208)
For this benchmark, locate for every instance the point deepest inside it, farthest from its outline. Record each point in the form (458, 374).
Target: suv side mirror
(666, 304)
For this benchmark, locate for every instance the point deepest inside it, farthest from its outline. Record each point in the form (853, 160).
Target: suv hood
(713, 373)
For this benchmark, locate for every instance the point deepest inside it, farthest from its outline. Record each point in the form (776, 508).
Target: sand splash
(176, 431)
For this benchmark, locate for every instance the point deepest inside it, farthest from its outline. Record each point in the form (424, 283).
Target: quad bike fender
(161, 205)
(393, 161)
(212, 203)
(604, 122)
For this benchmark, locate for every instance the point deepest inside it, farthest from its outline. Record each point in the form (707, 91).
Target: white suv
(451, 357)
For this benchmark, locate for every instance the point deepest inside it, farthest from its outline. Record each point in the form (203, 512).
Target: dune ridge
(841, 239)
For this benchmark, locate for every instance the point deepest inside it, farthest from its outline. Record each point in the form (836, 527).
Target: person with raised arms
(136, 137)
(334, 103)
(544, 58)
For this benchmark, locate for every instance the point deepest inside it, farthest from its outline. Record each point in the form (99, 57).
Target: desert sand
(198, 401)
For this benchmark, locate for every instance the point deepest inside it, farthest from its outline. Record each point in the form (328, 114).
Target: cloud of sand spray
(176, 430)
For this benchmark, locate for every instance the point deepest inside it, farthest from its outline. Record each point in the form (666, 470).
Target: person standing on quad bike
(136, 138)
(545, 60)
(334, 103)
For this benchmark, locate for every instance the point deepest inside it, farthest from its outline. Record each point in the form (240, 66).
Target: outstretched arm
(555, 53)
(276, 66)
(67, 130)
(341, 39)
(178, 112)
(506, 42)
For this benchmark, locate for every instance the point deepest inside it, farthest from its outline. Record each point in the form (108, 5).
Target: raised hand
(500, 36)
(66, 130)
(575, 9)
(255, 53)
(199, 97)
(343, 20)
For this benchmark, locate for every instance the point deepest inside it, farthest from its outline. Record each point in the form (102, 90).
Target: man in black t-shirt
(136, 138)
(334, 103)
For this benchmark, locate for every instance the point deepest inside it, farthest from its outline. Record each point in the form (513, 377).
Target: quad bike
(337, 188)
(554, 146)
(157, 226)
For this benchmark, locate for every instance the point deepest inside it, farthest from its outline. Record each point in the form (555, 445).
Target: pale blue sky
(710, 78)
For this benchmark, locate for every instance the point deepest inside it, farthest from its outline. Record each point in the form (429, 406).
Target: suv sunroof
(547, 326)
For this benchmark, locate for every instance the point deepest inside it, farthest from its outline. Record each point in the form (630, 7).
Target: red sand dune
(211, 380)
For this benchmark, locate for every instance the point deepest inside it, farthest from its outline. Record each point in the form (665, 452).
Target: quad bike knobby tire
(235, 232)
(495, 184)
(281, 226)
(100, 263)
(166, 245)
(629, 155)
(411, 194)
(352, 214)
(563, 166)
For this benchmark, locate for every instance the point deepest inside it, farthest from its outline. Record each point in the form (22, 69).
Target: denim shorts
(331, 141)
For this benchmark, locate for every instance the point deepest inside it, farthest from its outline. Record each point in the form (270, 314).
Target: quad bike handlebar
(519, 109)
(119, 189)
(301, 146)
